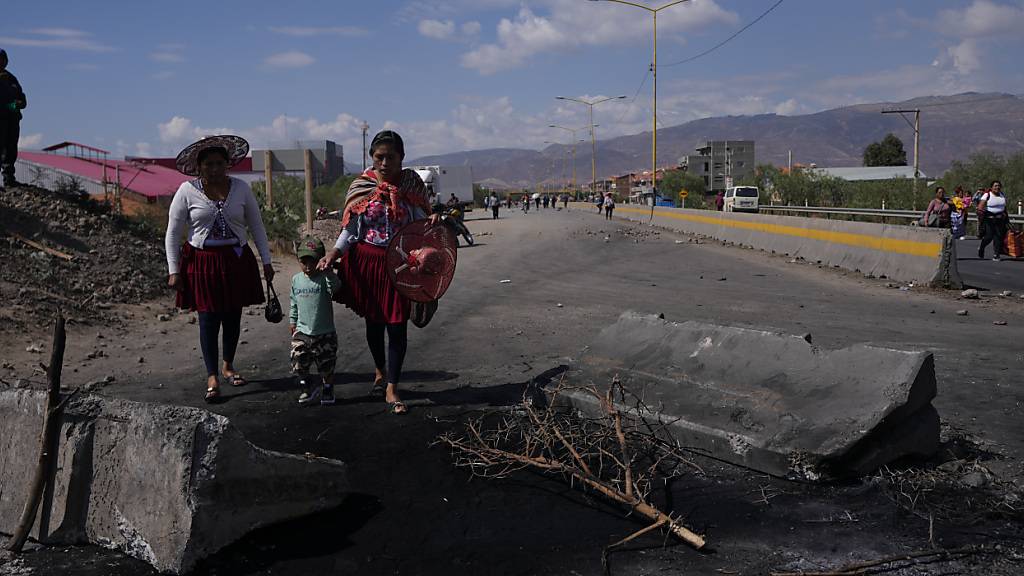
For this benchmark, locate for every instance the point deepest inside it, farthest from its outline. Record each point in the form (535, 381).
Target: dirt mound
(101, 259)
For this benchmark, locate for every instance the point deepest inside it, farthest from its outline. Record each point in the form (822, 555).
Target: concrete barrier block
(167, 484)
(904, 253)
(769, 401)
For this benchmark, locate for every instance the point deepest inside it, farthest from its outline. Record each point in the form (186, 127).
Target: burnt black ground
(412, 512)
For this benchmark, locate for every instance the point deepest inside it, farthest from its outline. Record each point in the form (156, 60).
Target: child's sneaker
(327, 398)
(309, 394)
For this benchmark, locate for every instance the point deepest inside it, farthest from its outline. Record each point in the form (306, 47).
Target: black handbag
(273, 312)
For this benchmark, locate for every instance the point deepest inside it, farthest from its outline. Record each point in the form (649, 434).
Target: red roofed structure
(147, 180)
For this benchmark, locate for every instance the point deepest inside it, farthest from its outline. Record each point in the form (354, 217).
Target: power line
(727, 40)
(635, 95)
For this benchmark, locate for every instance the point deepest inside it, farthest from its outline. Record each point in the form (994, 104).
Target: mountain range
(952, 127)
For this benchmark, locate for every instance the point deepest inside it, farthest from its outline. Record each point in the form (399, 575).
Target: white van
(741, 199)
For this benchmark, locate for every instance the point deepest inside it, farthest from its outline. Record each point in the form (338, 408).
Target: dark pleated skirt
(367, 288)
(219, 279)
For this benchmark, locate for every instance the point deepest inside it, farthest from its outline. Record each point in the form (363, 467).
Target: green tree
(887, 152)
(675, 180)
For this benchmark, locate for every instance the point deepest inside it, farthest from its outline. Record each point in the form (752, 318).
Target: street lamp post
(573, 132)
(593, 138)
(654, 72)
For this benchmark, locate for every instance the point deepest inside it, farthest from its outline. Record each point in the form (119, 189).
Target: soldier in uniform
(12, 102)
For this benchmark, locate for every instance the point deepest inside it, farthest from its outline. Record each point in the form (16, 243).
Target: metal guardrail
(876, 212)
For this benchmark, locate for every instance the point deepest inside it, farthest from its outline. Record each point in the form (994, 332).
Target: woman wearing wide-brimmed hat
(379, 203)
(215, 272)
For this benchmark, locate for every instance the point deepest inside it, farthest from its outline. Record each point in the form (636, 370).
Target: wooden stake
(309, 190)
(268, 173)
(39, 246)
(49, 440)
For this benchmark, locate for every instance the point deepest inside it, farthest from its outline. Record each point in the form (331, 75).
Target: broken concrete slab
(167, 484)
(771, 402)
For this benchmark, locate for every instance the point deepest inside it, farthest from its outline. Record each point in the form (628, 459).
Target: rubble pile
(58, 250)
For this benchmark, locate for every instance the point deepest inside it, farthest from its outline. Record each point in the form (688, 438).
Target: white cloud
(572, 24)
(63, 38)
(437, 29)
(306, 31)
(982, 18)
(144, 149)
(976, 30)
(471, 28)
(291, 59)
(29, 141)
(966, 56)
(788, 107)
(162, 75)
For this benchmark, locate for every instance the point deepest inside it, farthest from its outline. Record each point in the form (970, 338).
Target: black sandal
(378, 389)
(398, 408)
(236, 380)
(212, 394)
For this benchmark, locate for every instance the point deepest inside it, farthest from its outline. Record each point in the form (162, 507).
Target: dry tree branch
(580, 450)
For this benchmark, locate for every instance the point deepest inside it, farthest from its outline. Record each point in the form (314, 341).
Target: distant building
(720, 163)
(864, 173)
(89, 170)
(328, 161)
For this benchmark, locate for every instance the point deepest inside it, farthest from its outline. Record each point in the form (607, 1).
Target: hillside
(952, 127)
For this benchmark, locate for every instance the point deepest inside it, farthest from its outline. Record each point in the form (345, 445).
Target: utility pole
(917, 145)
(364, 127)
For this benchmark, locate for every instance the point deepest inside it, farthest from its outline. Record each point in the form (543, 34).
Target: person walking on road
(215, 272)
(380, 202)
(996, 220)
(599, 202)
(495, 205)
(545, 200)
(12, 102)
(609, 205)
(311, 322)
(526, 204)
(720, 201)
(565, 201)
(976, 202)
(937, 214)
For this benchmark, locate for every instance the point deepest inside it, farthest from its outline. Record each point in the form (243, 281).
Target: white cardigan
(192, 208)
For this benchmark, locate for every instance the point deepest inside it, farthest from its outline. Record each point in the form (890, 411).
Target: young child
(311, 320)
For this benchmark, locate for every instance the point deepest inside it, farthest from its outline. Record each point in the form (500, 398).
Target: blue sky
(148, 78)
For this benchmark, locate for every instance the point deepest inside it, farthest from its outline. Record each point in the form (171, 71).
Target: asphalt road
(569, 275)
(1006, 274)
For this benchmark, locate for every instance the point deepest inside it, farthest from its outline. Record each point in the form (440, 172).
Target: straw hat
(236, 146)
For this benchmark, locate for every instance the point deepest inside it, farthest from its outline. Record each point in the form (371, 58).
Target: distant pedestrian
(536, 199)
(545, 200)
(508, 202)
(996, 220)
(495, 205)
(956, 217)
(311, 321)
(720, 201)
(565, 201)
(12, 102)
(526, 204)
(979, 214)
(937, 214)
(609, 205)
(215, 272)
(599, 202)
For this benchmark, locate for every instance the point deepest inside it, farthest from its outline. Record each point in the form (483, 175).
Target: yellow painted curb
(910, 247)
